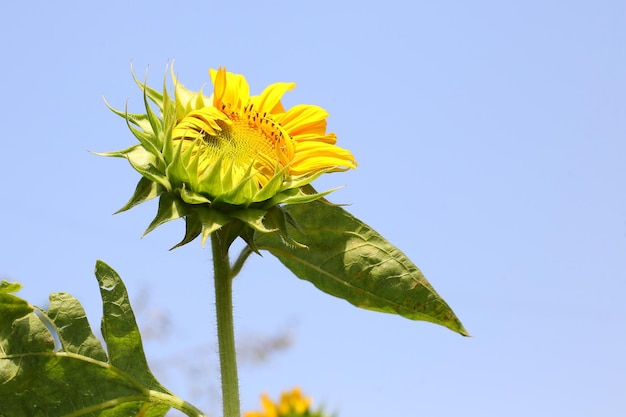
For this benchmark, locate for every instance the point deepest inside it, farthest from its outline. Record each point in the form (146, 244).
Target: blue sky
(491, 142)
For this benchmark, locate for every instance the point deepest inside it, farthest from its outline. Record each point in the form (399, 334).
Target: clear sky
(491, 142)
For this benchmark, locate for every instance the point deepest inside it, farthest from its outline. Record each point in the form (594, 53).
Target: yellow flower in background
(291, 404)
(228, 157)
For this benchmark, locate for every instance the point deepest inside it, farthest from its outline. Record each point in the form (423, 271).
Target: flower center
(248, 137)
(241, 137)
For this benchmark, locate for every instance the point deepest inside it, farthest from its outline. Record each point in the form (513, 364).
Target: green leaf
(348, 259)
(7, 287)
(70, 322)
(11, 308)
(78, 378)
(119, 329)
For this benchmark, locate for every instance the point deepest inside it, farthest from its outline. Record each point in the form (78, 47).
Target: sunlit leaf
(344, 257)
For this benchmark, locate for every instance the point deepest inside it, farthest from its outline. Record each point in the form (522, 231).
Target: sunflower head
(230, 158)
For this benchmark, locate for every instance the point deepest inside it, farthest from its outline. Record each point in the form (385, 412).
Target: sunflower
(228, 157)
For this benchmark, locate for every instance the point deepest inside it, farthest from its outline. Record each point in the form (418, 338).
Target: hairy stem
(225, 328)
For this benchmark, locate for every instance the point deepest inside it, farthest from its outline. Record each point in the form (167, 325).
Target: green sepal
(211, 220)
(191, 197)
(213, 180)
(247, 234)
(281, 220)
(145, 190)
(138, 119)
(228, 233)
(169, 149)
(236, 192)
(348, 259)
(273, 186)
(253, 218)
(211, 175)
(170, 208)
(183, 97)
(155, 122)
(143, 163)
(181, 167)
(193, 228)
(147, 140)
(169, 121)
(301, 195)
(118, 154)
(152, 173)
(153, 94)
(302, 180)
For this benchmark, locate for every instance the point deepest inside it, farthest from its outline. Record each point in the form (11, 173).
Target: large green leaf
(346, 258)
(75, 376)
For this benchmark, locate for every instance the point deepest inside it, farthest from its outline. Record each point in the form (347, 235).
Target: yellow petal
(269, 100)
(303, 118)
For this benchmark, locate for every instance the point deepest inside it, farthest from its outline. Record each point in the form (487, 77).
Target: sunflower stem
(225, 327)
